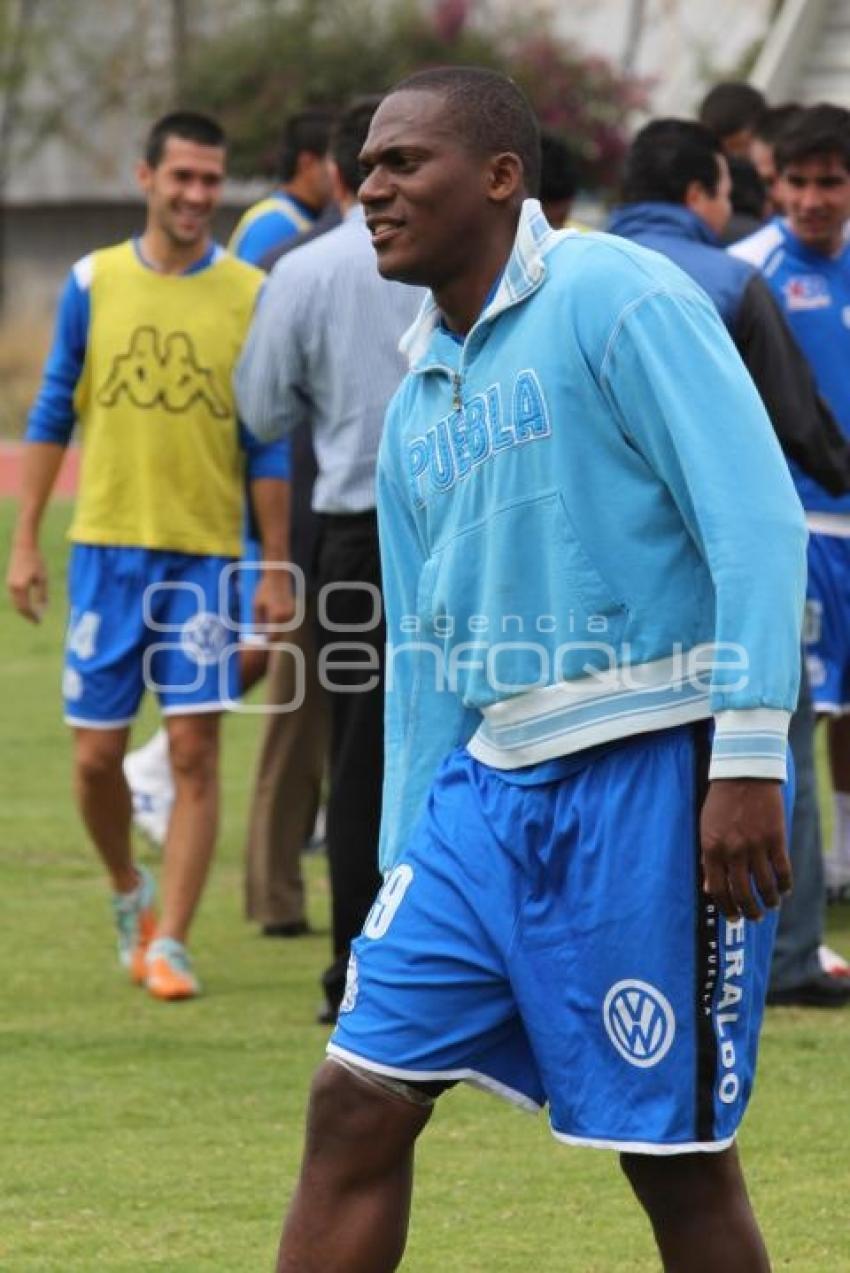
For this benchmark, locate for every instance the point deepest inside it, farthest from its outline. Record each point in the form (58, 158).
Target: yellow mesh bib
(161, 461)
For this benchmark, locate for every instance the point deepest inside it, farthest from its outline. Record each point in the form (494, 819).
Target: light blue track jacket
(587, 527)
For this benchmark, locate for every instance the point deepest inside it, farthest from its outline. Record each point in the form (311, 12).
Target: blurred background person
(559, 179)
(293, 208)
(768, 129)
(751, 206)
(730, 110)
(324, 348)
(147, 335)
(676, 200)
(304, 189)
(805, 259)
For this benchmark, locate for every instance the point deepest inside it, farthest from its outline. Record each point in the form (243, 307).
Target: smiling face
(183, 190)
(429, 199)
(816, 195)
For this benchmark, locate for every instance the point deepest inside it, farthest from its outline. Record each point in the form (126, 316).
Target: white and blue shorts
(546, 937)
(144, 619)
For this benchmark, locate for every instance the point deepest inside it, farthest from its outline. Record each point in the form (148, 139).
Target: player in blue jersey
(292, 209)
(805, 257)
(146, 337)
(304, 190)
(593, 654)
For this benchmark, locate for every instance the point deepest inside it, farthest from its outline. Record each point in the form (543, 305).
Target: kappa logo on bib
(162, 371)
(639, 1022)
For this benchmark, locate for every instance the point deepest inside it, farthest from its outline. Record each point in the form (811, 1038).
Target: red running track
(11, 463)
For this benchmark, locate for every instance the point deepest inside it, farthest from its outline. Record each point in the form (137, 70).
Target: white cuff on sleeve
(750, 743)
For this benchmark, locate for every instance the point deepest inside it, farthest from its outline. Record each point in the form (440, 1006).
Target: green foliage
(308, 54)
(283, 56)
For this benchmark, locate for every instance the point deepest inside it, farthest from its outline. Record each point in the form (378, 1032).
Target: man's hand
(274, 603)
(742, 832)
(26, 580)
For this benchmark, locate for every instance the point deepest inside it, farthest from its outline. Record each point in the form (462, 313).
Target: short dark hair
(489, 112)
(349, 137)
(773, 121)
(666, 156)
(749, 194)
(307, 132)
(188, 126)
(819, 130)
(731, 106)
(559, 176)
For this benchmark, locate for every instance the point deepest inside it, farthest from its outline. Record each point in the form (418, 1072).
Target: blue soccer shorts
(545, 937)
(826, 633)
(143, 619)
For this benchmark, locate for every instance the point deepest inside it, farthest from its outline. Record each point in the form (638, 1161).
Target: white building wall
(686, 44)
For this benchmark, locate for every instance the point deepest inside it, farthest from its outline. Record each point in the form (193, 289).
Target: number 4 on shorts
(82, 634)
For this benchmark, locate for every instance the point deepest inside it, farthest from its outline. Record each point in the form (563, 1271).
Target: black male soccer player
(594, 646)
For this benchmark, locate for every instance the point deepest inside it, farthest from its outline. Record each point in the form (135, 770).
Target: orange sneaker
(135, 920)
(168, 970)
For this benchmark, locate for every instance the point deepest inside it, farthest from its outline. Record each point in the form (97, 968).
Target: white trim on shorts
(197, 709)
(77, 722)
(658, 1150)
(829, 525)
(473, 1077)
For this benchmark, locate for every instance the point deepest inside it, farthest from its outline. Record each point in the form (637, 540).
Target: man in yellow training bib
(147, 334)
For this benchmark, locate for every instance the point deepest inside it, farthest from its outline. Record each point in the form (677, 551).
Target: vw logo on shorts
(639, 1022)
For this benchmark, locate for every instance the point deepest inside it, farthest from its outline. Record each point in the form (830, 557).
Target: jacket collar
(656, 216)
(523, 274)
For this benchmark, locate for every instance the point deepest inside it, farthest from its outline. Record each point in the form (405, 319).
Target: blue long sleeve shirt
(588, 529)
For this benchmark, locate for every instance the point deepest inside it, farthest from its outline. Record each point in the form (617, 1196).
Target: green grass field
(136, 1135)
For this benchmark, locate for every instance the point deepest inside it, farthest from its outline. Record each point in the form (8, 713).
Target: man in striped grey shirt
(324, 348)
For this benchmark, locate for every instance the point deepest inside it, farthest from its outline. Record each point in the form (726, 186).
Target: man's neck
(462, 299)
(295, 189)
(167, 257)
(829, 251)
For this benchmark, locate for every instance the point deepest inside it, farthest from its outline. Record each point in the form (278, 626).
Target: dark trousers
(288, 782)
(351, 638)
(796, 958)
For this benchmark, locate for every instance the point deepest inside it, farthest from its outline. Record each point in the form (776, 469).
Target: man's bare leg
(699, 1210)
(103, 798)
(351, 1208)
(194, 744)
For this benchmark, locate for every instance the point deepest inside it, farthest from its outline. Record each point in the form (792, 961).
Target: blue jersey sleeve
(265, 459)
(52, 416)
(262, 235)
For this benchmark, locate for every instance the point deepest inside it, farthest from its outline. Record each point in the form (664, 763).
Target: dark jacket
(804, 425)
